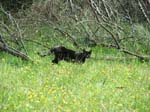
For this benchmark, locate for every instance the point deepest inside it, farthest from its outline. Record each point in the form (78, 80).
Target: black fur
(62, 53)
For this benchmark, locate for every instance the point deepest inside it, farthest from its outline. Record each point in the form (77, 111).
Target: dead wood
(14, 52)
(143, 11)
(124, 50)
(114, 37)
(106, 9)
(4, 47)
(71, 5)
(14, 23)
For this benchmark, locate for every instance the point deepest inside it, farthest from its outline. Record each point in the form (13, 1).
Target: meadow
(96, 86)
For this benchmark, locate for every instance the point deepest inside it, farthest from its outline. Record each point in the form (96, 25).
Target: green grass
(96, 86)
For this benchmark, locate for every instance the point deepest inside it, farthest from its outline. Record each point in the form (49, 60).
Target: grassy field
(96, 86)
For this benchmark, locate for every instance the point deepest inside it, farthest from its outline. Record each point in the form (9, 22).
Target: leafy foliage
(15, 5)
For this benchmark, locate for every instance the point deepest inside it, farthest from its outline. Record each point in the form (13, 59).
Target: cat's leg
(55, 60)
(82, 60)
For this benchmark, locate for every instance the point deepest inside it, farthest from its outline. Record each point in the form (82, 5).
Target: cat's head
(87, 54)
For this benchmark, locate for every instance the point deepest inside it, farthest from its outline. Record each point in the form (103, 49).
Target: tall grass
(96, 86)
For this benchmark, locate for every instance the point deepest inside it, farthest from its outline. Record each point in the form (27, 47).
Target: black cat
(62, 53)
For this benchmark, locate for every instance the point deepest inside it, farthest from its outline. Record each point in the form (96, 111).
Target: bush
(15, 5)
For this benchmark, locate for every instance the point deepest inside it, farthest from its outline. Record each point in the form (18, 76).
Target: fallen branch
(4, 47)
(17, 28)
(15, 52)
(117, 45)
(141, 57)
(124, 50)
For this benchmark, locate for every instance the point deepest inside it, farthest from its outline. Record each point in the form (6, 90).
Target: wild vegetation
(97, 85)
(115, 78)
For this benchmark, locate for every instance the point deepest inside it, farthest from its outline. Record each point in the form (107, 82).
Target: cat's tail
(52, 50)
(44, 54)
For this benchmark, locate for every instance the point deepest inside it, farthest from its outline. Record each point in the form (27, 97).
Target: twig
(30, 40)
(14, 22)
(142, 9)
(112, 35)
(117, 44)
(105, 7)
(141, 57)
(83, 26)
(71, 5)
(68, 35)
(20, 35)
(96, 10)
(124, 50)
(2, 40)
